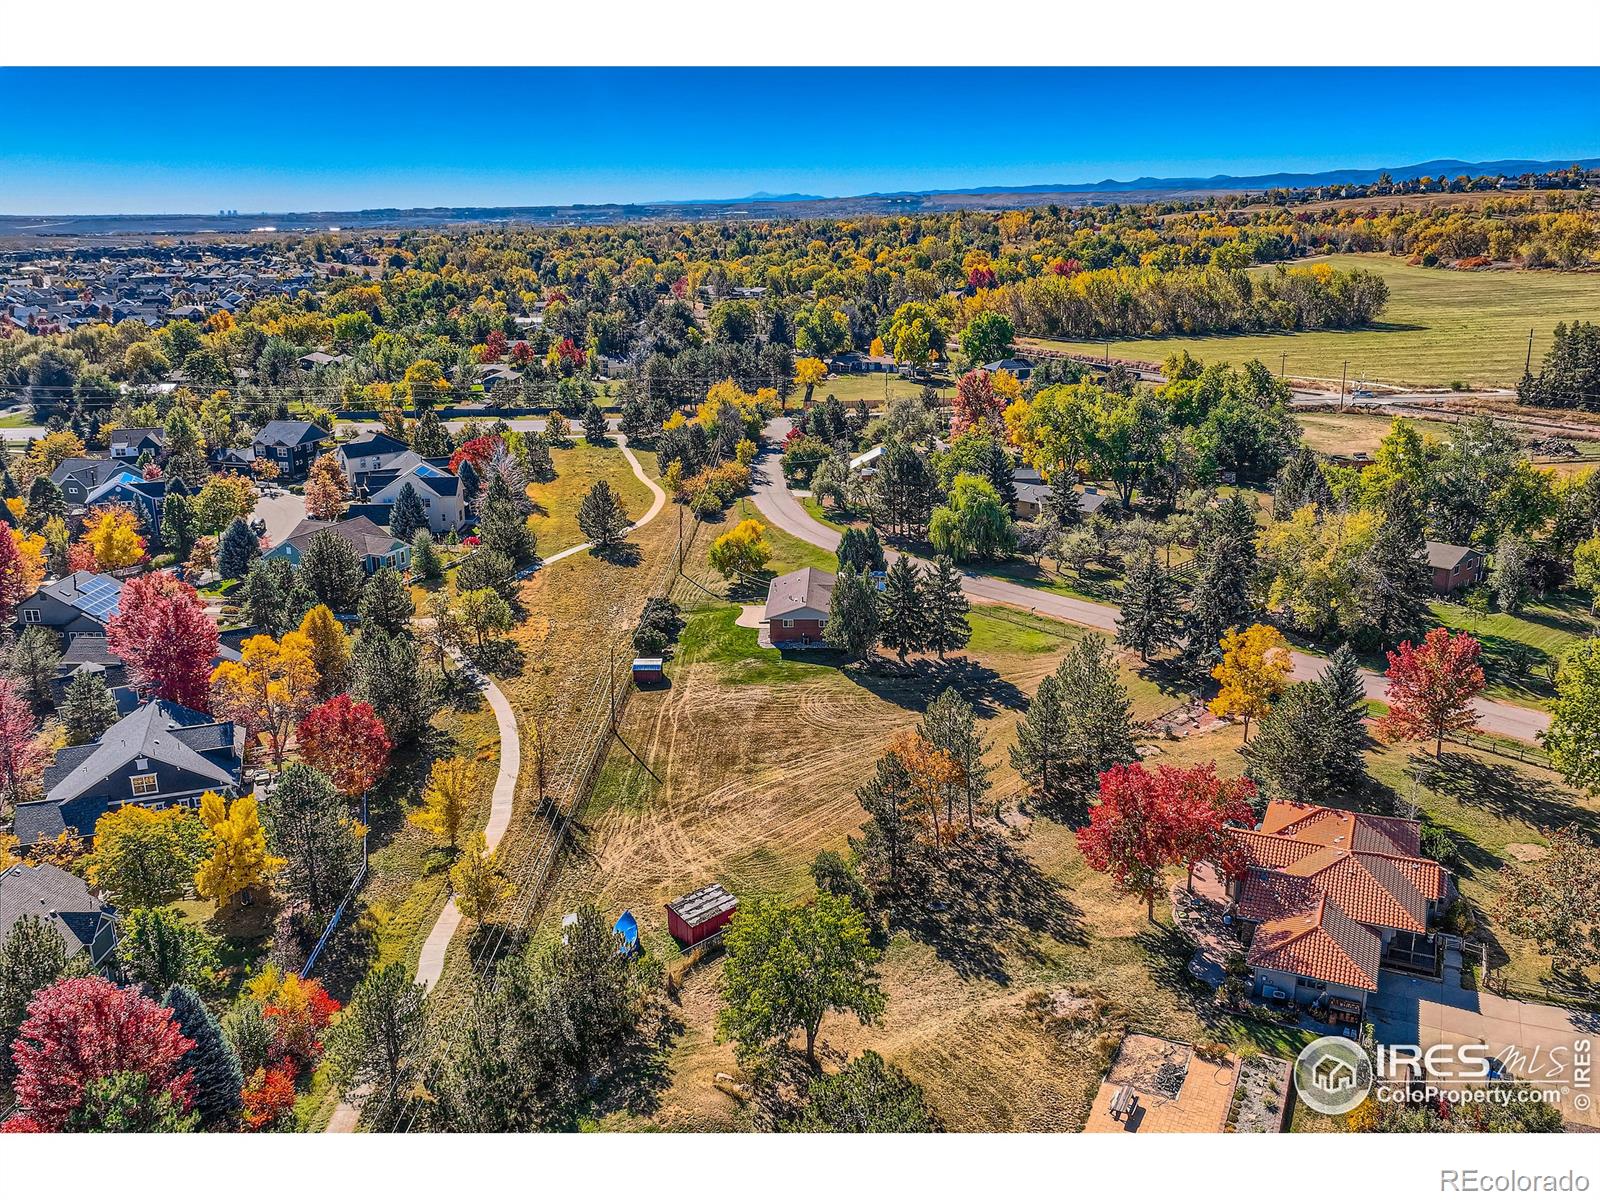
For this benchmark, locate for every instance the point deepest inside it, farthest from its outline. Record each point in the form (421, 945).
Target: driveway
(1535, 1042)
(282, 512)
(778, 504)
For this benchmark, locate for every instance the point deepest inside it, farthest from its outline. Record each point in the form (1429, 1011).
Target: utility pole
(1343, 375)
(1283, 363)
(1528, 366)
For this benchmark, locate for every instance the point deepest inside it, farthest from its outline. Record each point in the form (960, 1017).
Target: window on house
(1302, 981)
(143, 785)
(30, 616)
(788, 623)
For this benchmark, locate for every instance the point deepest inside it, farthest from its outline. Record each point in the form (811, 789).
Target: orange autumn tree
(1431, 688)
(933, 775)
(345, 740)
(325, 490)
(270, 688)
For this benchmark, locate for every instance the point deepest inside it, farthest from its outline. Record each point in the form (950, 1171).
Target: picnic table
(1123, 1103)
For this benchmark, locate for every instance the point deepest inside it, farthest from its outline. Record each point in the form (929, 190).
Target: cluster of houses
(49, 294)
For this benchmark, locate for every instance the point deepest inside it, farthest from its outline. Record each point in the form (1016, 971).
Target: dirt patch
(1526, 851)
(1260, 1100)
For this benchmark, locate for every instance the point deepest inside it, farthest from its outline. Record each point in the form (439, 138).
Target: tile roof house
(291, 445)
(75, 604)
(797, 608)
(64, 903)
(376, 546)
(160, 754)
(1323, 896)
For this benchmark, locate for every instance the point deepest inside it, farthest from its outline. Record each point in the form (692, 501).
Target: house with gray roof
(75, 604)
(130, 443)
(375, 545)
(438, 489)
(160, 754)
(797, 608)
(291, 445)
(375, 452)
(77, 477)
(64, 903)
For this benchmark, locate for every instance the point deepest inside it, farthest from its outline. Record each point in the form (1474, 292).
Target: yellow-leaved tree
(239, 860)
(808, 372)
(330, 649)
(270, 688)
(447, 799)
(112, 536)
(1253, 673)
(742, 551)
(477, 880)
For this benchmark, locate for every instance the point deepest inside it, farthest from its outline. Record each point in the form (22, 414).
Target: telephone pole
(1343, 375)
(1528, 366)
(1283, 363)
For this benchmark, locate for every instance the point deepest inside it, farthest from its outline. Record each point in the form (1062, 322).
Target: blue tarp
(628, 930)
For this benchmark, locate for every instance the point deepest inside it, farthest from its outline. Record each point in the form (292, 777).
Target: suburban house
(160, 754)
(375, 545)
(64, 902)
(147, 498)
(797, 608)
(77, 477)
(75, 604)
(1033, 495)
(320, 358)
(291, 445)
(439, 491)
(1020, 367)
(1324, 898)
(88, 654)
(131, 443)
(1453, 567)
(374, 452)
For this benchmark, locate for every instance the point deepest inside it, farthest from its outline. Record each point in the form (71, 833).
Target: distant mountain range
(758, 204)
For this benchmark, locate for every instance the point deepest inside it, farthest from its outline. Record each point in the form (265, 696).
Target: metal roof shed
(695, 917)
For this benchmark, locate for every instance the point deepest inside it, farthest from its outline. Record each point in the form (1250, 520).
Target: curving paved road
(779, 505)
(430, 963)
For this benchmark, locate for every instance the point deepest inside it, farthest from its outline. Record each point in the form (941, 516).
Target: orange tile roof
(1320, 942)
(1339, 827)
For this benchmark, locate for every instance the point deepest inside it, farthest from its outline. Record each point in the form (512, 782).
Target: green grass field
(1440, 327)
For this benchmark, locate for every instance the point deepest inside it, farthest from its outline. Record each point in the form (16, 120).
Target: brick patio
(1202, 1102)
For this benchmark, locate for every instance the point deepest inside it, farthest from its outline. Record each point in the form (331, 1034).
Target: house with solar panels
(158, 755)
(75, 604)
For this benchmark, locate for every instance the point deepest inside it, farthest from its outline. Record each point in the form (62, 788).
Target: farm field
(753, 760)
(1440, 327)
(1353, 432)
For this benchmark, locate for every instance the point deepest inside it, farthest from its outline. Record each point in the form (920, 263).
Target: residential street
(779, 505)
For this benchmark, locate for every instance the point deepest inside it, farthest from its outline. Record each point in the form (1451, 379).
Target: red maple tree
(14, 587)
(569, 351)
(20, 755)
(81, 1030)
(980, 277)
(494, 347)
(345, 740)
(268, 1097)
(521, 353)
(480, 452)
(1432, 687)
(976, 406)
(1146, 821)
(166, 639)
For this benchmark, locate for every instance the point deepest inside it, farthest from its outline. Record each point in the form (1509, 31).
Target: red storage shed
(695, 917)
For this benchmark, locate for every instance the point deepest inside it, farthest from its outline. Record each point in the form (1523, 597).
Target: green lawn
(1440, 327)
(555, 517)
(1521, 652)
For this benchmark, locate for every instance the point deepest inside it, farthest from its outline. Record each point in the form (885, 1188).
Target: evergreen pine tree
(852, 615)
(1097, 716)
(407, 516)
(425, 561)
(218, 1079)
(536, 450)
(238, 548)
(45, 500)
(602, 518)
(274, 596)
(861, 549)
(945, 614)
(1149, 618)
(595, 430)
(331, 568)
(178, 527)
(1300, 482)
(32, 956)
(1225, 555)
(1394, 582)
(951, 725)
(1291, 752)
(501, 526)
(471, 481)
(1039, 755)
(89, 709)
(387, 673)
(429, 437)
(386, 605)
(1346, 704)
(901, 609)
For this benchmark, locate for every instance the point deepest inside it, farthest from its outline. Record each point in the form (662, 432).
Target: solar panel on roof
(99, 597)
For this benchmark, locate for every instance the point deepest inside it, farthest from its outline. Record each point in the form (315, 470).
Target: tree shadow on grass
(501, 657)
(622, 554)
(640, 1069)
(977, 905)
(1167, 950)
(914, 684)
(1509, 793)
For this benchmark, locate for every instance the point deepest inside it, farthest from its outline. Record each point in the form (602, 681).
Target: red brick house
(1453, 567)
(1324, 897)
(797, 608)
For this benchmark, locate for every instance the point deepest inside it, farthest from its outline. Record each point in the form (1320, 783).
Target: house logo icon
(1332, 1075)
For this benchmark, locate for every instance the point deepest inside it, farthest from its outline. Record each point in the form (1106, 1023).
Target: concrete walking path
(779, 505)
(430, 963)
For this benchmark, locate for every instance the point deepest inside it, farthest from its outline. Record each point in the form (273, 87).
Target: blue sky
(201, 139)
